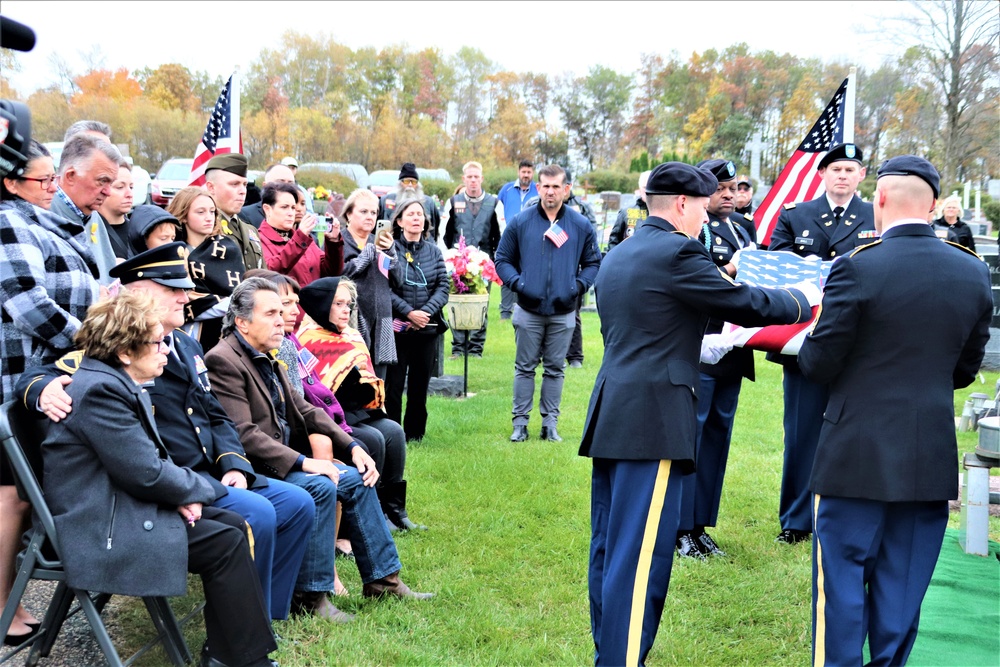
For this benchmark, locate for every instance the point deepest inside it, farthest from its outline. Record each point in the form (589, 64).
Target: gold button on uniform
(190, 411)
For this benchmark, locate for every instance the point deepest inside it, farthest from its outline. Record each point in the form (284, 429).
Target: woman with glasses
(419, 292)
(365, 259)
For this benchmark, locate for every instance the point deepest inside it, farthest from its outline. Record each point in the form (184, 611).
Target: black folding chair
(40, 560)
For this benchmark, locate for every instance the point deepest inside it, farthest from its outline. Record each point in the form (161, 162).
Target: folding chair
(40, 560)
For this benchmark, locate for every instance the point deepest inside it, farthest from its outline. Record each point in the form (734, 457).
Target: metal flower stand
(467, 312)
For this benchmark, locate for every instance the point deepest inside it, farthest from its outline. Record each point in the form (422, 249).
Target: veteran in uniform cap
(197, 432)
(886, 468)
(654, 294)
(226, 180)
(828, 227)
(719, 383)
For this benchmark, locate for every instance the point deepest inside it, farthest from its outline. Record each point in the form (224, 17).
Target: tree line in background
(323, 102)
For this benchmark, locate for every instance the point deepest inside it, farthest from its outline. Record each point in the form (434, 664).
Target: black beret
(723, 170)
(677, 178)
(842, 152)
(166, 265)
(911, 165)
(235, 163)
(409, 170)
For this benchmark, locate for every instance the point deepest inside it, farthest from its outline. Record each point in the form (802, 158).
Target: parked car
(383, 181)
(172, 176)
(352, 170)
(56, 149)
(142, 185)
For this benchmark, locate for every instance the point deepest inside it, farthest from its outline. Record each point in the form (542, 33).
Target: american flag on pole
(799, 180)
(557, 235)
(764, 268)
(222, 134)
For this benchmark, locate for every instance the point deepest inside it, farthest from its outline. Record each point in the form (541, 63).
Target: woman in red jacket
(291, 250)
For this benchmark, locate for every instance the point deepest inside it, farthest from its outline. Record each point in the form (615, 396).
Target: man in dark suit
(197, 432)
(654, 295)
(288, 438)
(827, 227)
(885, 467)
(719, 383)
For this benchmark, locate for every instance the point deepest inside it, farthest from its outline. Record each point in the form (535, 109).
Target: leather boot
(392, 585)
(395, 506)
(317, 603)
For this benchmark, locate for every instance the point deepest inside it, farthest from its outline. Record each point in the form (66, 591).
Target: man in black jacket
(630, 218)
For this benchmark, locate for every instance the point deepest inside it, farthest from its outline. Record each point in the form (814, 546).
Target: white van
(352, 170)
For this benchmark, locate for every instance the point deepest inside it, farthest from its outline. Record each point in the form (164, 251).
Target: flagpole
(235, 106)
(849, 106)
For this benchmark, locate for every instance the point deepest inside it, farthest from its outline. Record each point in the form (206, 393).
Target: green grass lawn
(507, 548)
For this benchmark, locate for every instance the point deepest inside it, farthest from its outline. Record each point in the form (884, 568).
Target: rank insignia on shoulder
(963, 248)
(70, 362)
(748, 216)
(789, 206)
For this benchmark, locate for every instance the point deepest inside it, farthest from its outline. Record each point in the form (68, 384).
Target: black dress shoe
(792, 536)
(687, 547)
(550, 433)
(520, 434)
(708, 546)
(17, 640)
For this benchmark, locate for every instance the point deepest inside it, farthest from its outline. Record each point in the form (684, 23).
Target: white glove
(714, 347)
(735, 259)
(812, 293)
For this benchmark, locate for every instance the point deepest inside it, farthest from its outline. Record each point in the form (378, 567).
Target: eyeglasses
(420, 279)
(344, 304)
(45, 183)
(411, 182)
(158, 344)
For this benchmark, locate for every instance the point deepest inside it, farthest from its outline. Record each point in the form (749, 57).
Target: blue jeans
(374, 551)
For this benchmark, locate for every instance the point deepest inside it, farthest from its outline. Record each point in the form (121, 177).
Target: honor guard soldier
(654, 296)
(196, 430)
(226, 180)
(719, 383)
(630, 218)
(886, 468)
(827, 227)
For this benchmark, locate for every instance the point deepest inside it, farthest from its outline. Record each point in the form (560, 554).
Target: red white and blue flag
(557, 235)
(307, 360)
(399, 326)
(222, 134)
(764, 268)
(384, 261)
(799, 180)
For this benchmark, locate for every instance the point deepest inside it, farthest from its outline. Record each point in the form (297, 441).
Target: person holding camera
(290, 249)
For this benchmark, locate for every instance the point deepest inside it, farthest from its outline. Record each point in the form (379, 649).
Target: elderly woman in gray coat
(129, 520)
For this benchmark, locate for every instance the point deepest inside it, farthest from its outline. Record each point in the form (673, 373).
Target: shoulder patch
(867, 245)
(962, 247)
(749, 216)
(789, 206)
(70, 362)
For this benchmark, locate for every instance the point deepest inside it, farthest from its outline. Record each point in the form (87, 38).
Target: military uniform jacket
(114, 492)
(894, 340)
(654, 296)
(722, 238)
(248, 241)
(809, 229)
(197, 432)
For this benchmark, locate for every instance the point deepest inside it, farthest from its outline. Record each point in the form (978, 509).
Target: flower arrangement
(321, 193)
(470, 269)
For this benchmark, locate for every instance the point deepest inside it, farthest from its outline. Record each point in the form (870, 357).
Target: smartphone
(381, 226)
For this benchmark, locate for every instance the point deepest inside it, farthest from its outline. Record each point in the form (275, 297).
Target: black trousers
(475, 340)
(237, 624)
(415, 353)
(575, 352)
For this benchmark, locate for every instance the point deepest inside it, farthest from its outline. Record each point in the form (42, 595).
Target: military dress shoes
(687, 547)
(792, 536)
(708, 546)
(520, 434)
(550, 433)
(318, 604)
(392, 585)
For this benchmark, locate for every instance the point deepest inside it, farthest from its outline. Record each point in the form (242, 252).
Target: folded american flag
(764, 268)
(557, 235)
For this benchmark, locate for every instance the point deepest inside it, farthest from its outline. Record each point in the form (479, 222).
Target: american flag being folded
(764, 268)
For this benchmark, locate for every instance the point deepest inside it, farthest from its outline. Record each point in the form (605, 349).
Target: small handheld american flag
(308, 360)
(557, 235)
(384, 262)
(399, 326)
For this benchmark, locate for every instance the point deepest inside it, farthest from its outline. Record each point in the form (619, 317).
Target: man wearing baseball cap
(828, 227)
(409, 186)
(654, 294)
(885, 469)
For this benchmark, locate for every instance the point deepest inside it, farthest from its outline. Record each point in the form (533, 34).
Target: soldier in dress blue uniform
(886, 468)
(719, 383)
(828, 227)
(654, 294)
(198, 433)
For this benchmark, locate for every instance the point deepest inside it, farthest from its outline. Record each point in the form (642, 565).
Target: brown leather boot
(317, 603)
(392, 585)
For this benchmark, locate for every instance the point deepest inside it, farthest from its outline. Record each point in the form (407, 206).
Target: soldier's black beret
(677, 178)
(842, 152)
(912, 165)
(235, 163)
(723, 170)
(166, 264)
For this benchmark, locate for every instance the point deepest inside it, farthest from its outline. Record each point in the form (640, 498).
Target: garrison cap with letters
(235, 163)
(677, 178)
(911, 165)
(840, 152)
(723, 170)
(166, 265)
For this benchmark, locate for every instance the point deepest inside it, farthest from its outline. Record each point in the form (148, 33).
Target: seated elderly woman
(330, 335)
(136, 522)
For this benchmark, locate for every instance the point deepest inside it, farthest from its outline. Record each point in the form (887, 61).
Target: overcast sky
(550, 37)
